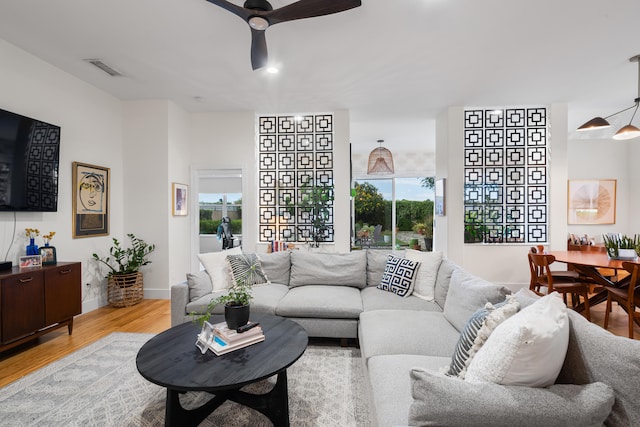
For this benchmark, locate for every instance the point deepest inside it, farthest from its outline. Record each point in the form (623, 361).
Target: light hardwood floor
(151, 316)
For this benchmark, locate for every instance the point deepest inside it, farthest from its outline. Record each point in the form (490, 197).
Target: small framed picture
(179, 199)
(30, 261)
(439, 206)
(48, 254)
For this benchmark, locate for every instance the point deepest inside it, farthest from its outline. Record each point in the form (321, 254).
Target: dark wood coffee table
(172, 360)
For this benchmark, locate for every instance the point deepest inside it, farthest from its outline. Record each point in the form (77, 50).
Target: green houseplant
(620, 246)
(124, 279)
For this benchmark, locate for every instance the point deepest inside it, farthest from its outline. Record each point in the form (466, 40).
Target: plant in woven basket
(124, 280)
(127, 260)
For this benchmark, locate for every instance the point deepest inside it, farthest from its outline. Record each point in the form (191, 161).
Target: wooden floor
(152, 316)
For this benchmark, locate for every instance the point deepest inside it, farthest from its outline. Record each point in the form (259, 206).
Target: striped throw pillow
(477, 331)
(247, 267)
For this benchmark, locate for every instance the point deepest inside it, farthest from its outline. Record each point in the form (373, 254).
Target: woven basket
(124, 290)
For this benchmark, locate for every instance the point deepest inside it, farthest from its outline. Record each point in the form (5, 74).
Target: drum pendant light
(380, 161)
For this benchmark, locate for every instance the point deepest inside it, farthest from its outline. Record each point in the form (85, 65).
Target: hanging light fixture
(626, 132)
(380, 161)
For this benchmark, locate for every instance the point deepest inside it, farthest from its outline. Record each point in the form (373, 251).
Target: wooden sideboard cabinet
(36, 301)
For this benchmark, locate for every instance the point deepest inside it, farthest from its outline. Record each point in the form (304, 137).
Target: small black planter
(236, 315)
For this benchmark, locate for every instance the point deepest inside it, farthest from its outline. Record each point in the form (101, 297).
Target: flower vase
(32, 248)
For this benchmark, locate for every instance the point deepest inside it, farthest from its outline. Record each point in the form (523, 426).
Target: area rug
(99, 385)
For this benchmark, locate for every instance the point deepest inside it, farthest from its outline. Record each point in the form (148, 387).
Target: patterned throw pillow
(399, 275)
(247, 267)
(477, 331)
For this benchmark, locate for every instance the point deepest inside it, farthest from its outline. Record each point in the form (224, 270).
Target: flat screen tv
(29, 157)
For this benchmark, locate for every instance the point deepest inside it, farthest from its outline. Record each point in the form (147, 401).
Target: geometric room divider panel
(506, 175)
(294, 154)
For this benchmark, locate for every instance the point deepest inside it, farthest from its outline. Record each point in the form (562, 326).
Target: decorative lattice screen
(506, 175)
(295, 154)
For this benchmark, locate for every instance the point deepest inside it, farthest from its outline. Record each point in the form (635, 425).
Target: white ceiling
(395, 65)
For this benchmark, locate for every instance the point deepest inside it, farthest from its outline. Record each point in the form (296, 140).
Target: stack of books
(221, 340)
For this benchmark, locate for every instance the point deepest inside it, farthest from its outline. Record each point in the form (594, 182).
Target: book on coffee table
(221, 340)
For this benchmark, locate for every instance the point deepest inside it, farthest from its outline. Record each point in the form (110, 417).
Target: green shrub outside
(210, 226)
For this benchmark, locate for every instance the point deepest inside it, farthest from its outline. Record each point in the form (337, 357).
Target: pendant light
(380, 161)
(626, 132)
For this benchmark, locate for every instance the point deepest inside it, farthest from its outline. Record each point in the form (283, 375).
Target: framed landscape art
(90, 200)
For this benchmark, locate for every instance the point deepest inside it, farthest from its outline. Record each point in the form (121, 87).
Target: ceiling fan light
(595, 123)
(627, 132)
(258, 23)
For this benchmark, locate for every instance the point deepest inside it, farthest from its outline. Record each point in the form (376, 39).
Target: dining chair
(628, 297)
(563, 282)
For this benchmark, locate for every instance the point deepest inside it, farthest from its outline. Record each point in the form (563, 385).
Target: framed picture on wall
(439, 205)
(591, 201)
(179, 199)
(90, 200)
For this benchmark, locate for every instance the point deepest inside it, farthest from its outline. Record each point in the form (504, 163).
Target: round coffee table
(172, 360)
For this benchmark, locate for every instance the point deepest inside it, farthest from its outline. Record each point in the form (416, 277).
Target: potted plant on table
(620, 246)
(124, 280)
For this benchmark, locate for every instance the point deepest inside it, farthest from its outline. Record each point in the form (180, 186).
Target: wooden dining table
(588, 264)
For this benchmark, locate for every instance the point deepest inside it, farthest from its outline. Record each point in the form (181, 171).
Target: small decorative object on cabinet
(32, 248)
(50, 296)
(124, 280)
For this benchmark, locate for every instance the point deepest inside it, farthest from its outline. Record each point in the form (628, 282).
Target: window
(506, 175)
(295, 189)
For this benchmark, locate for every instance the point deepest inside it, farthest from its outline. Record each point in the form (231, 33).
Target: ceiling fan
(260, 15)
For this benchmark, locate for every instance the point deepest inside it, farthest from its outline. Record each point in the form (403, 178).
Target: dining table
(590, 264)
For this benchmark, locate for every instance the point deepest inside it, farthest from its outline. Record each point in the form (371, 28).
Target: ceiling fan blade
(309, 9)
(259, 53)
(235, 9)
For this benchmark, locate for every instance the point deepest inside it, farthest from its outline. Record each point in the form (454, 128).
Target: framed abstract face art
(90, 200)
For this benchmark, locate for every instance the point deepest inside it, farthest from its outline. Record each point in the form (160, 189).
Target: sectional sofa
(445, 347)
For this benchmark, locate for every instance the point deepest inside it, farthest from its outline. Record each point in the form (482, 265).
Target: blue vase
(32, 248)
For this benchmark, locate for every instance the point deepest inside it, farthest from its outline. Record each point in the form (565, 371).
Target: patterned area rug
(99, 385)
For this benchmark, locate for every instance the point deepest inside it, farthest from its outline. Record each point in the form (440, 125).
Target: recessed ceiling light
(273, 70)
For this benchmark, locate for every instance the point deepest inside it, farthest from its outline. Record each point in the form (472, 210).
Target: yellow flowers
(32, 232)
(47, 237)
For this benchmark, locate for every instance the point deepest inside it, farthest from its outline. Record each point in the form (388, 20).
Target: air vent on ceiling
(104, 67)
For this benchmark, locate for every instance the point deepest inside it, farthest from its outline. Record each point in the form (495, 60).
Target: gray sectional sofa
(407, 343)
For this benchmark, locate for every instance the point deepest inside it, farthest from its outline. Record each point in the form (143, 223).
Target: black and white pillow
(477, 331)
(399, 275)
(247, 267)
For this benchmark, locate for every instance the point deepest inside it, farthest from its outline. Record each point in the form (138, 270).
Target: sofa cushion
(391, 385)
(314, 268)
(467, 293)
(406, 332)
(376, 263)
(246, 267)
(321, 301)
(199, 284)
(276, 266)
(442, 281)
(427, 273)
(477, 331)
(265, 299)
(448, 401)
(215, 263)
(399, 275)
(376, 299)
(595, 354)
(527, 349)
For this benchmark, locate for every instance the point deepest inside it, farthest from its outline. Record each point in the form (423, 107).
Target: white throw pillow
(427, 273)
(216, 265)
(527, 349)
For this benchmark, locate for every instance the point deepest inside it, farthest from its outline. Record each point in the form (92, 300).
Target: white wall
(608, 159)
(91, 126)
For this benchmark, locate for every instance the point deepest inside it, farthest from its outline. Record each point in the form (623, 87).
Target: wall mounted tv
(29, 156)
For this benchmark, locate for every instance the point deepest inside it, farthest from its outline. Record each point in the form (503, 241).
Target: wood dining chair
(563, 282)
(628, 297)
